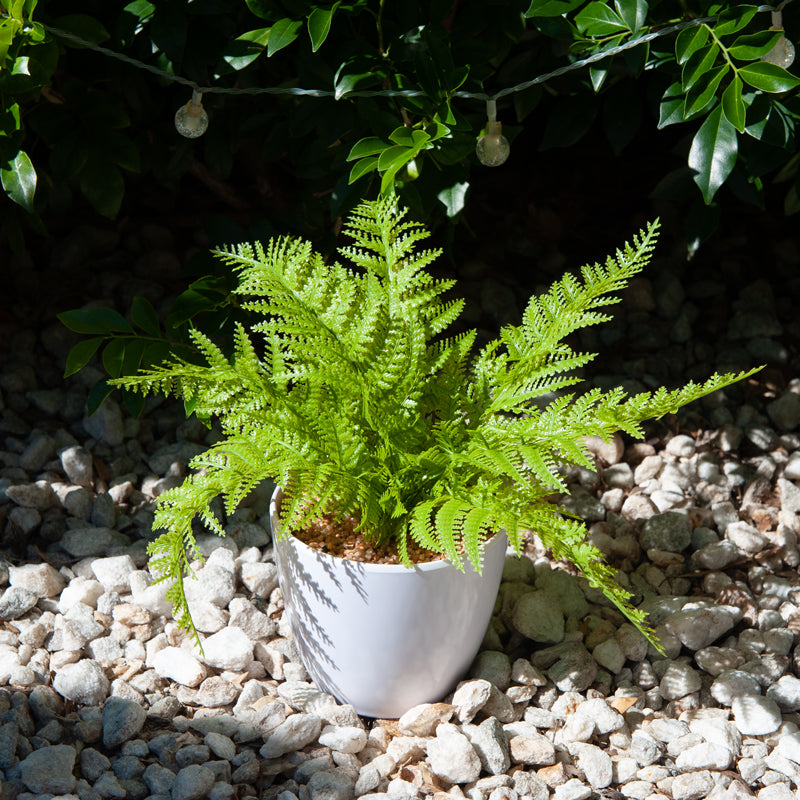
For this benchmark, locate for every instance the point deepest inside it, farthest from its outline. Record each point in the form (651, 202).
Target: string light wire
(191, 120)
(301, 92)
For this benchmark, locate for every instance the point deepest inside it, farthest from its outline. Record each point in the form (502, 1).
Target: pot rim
(423, 566)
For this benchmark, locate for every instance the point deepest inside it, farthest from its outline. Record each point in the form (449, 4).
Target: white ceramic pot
(385, 637)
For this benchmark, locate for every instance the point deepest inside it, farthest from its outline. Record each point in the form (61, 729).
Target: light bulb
(191, 120)
(782, 55)
(493, 148)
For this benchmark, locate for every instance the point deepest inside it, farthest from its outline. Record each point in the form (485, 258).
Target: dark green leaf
(245, 49)
(551, 8)
(362, 167)
(569, 122)
(261, 8)
(319, 25)
(751, 46)
(103, 186)
(597, 19)
(713, 153)
(97, 394)
(134, 403)
(632, 12)
(409, 137)
(688, 41)
(352, 74)
(132, 359)
(734, 18)
(733, 105)
(96, 320)
(704, 90)
(598, 75)
(144, 315)
(113, 356)
(282, 34)
(19, 180)
(84, 26)
(367, 147)
(768, 77)
(80, 355)
(698, 64)
(395, 157)
(622, 115)
(453, 198)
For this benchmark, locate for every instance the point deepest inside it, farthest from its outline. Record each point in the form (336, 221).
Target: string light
(492, 148)
(191, 120)
(782, 54)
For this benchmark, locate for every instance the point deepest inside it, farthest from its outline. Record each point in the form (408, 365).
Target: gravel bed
(103, 696)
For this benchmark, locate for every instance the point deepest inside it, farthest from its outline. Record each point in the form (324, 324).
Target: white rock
(755, 715)
(705, 756)
(745, 537)
(596, 765)
(207, 617)
(83, 682)
(423, 719)
(733, 683)
(114, 572)
(692, 785)
(343, 739)
(212, 583)
(606, 719)
(699, 627)
(573, 789)
(259, 578)
(154, 598)
(721, 732)
(679, 680)
(41, 579)
(253, 622)
(228, 649)
(789, 747)
(179, 665)
(786, 693)
(451, 755)
(470, 697)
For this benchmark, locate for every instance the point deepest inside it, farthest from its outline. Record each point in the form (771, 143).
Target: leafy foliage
(97, 123)
(347, 395)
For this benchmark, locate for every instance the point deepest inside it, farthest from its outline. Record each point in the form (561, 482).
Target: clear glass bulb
(191, 120)
(493, 148)
(782, 55)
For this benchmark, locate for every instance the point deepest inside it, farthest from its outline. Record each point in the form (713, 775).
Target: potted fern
(383, 433)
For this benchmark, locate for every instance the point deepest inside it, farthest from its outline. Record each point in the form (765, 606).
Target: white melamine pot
(385, 637)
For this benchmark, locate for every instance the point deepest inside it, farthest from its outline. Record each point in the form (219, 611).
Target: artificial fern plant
(347, 395)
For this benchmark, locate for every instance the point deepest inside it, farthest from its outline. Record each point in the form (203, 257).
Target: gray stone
(785, 411)
(731, 684)
(90, 541)
(159, 779)
(221, 746)
(16, 601)
(569, 665)
(48, 770)
(93, 764)
(670, 531)
(537, 616)
(216, 691)
(697, 628)
(106, 424)
(330, 786)
(192, 782)
(254, 623)
(492, 666)
(294, 733)
(76, 462)
(8, 744)
(122, 720)
(213, 584)
(36, 495)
